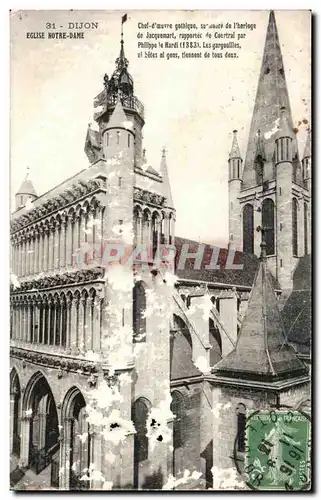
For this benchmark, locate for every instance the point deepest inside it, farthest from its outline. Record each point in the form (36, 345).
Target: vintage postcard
(160, 293)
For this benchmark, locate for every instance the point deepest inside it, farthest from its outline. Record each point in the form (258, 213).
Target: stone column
(51, 247)
(45, 249)
(90, 238)
(61, 326)
(65, 454)
(95, 457)
(70, 243)
(23, 267)
(40, 251)
(32, 252)
(68, 323)
(63, 241)
(45, 325)
(96, 334)
(89, 331)
(54, 312)
(57, 234)
(74, 325)
(25, 438)
(81, 330)
(26, 336)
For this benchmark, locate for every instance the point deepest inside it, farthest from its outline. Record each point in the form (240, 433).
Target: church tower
(275, 192)
(234, 186)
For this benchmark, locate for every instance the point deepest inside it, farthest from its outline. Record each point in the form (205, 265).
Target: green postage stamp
(278, 446)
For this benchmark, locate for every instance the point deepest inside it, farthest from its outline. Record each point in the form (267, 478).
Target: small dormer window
(21, 200)
(118, 134)
(267, 70)
(128, 140)
(281, 71)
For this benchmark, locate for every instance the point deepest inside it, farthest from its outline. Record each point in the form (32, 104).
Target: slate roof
(297, 311)
(224, 275)
(261, 351)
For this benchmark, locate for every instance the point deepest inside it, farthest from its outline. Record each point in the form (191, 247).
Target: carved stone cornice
(70, 195)
(80, 276)
(148, 197)
(63, 364)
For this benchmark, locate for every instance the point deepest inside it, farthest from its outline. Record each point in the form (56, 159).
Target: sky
(191, 105)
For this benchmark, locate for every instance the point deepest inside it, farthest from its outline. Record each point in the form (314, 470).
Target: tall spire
(271, 95)
(261, 351)
(166, 184)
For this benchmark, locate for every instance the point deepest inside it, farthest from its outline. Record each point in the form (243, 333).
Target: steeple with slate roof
(271, 95)
(166, 184)
(261, 351)
(235, 150)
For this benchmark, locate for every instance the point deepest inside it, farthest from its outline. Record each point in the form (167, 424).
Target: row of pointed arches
(53, 243)
(153, 227)
(67, 319)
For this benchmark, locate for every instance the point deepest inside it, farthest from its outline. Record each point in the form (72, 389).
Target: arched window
(139, 307)
(268, 225)
(305, 228)
(248, 229)
(241, 423)
(139, 418)
(295, 208)
(178, 410)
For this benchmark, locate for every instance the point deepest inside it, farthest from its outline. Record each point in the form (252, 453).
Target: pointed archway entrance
(77, 442)
(15, 413)
(43, 444)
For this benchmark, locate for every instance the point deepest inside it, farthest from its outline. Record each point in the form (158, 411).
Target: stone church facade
(116, 371)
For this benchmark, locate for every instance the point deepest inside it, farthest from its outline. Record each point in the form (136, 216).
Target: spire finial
(121, 61)
(164, 152)
(27, 172)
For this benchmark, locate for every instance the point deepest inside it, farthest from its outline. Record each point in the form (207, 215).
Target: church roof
(235, 150)
(271, 95)
(297, 311)
(224, 274)
(261, 351)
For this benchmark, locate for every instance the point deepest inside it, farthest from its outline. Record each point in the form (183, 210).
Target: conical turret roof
(235, 150)
(118, 118)
(261, 351)
(27, 187)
